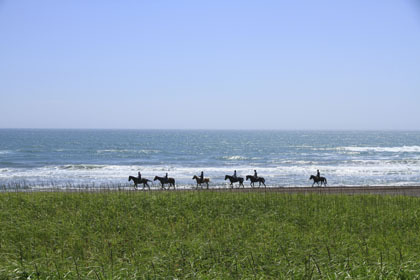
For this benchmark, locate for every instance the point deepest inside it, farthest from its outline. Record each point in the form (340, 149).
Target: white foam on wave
(81, 166)
(402, 149)
(234, 158)
(376, 172)
(4, 152)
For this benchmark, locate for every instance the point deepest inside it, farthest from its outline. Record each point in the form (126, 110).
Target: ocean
(43, 158)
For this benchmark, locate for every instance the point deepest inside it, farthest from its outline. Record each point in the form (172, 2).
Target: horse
(137, 181)
(204, 181)
(317, 179)
(234, 180)
(164, 180)
(260, 180)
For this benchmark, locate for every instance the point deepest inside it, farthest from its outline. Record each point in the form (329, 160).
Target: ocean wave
(4, 152)
(234, 158)
(294, 162)
(402, 149)
(81, 167)
(357, 172)
(124, 151)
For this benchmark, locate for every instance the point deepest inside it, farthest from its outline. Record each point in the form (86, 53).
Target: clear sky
(351, 64)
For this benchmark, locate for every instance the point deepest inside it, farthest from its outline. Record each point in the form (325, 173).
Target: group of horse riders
(201, 180)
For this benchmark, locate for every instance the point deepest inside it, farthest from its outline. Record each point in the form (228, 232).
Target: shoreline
(348, 190)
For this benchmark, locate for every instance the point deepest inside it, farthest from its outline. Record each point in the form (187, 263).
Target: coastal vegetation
(207, 235)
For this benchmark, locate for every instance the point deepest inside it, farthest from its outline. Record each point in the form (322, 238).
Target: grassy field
(208, 235)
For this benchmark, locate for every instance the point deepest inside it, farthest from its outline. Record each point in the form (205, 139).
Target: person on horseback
(139, 176)
(255, 174)
(234, 174)
(202, 176)
(317, 173)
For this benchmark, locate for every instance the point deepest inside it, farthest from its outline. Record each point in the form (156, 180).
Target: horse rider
(139, 175)
(255, 174)
(318, 174)
(234, 174)
(202, 176)
(166, 177)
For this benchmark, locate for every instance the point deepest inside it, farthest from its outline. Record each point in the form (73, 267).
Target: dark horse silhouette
(317, 179)
(260, 180)
(137, 181)
(204, 181)
(164, 180)
(234, 180)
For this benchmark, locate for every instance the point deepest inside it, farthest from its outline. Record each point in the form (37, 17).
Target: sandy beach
(380, 190)
(336, 190)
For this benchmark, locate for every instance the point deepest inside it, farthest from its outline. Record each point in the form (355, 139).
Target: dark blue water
(285, 158)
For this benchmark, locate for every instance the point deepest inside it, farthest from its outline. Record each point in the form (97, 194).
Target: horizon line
(220, 129)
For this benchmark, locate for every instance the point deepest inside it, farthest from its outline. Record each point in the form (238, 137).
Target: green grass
(208, 235)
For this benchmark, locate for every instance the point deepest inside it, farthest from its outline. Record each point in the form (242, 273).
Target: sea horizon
(226, 129)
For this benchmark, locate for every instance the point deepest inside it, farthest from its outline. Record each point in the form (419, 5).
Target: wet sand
(347, 190)
(380, 190)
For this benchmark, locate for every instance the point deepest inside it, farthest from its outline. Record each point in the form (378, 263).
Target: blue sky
(210, 64)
